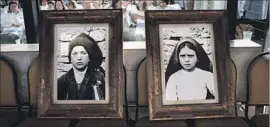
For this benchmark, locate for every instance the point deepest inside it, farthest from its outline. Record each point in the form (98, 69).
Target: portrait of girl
(189, 74)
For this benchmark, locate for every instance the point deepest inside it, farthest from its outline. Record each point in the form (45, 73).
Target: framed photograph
(81, 64)
(188, 61)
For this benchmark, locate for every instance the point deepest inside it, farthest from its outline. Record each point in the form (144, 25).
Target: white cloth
(44, 7)
(183, 85)
(96, 92)
(79, 76)
(78, 6)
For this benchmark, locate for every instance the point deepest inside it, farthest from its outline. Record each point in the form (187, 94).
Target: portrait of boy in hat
(86, 79)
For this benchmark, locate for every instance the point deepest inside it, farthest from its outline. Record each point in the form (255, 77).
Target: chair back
(9, 95)
(142, 87)
(258, 80)
(234, 80)
(33, 81)
(125, 103)
(234, 72)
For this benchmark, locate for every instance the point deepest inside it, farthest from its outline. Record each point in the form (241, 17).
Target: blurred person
(71, 5)
(107, 4)
(12, 24)
(150, 5)
(167, 5)
(59, 5)
(6, 8)
(43, 5)
(51, 5)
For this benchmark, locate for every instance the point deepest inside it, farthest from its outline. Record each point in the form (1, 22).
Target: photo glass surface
(12, 22)
(134, 19)
(81, 55)
(187, 64)
(74, 4)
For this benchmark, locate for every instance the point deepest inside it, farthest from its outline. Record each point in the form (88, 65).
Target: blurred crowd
(12, 22)
(134, 19)
(74, 4)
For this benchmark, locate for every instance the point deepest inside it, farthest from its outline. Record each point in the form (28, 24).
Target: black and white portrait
(188, 71)
(81, 55)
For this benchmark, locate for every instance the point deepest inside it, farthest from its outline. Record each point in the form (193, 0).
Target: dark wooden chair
(33, 81)
(142, 101)
(111, 122)
(223, 122)
(258, 89)
(10, 105)
(141, 88)
(32, 120)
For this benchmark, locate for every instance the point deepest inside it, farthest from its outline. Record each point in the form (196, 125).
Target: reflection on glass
(134, 20)
(12, 23)
(253, 9)
(75, 4)
(134, 24)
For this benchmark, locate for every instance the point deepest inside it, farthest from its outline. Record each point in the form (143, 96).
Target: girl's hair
(174, 65)
(189, 45)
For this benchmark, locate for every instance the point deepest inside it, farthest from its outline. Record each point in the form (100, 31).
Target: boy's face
(79, 58)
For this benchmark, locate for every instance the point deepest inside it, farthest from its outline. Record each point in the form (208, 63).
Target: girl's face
(188, 58)
(58, 5)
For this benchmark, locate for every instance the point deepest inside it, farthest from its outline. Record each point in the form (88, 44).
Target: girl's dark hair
(189, 45)
(174, 65)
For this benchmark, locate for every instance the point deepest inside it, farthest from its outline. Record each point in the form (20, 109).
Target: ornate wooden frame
(226, 88)
(46, 107)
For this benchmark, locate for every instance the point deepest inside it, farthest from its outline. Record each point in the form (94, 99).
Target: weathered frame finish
(226, 88)
(114, 109)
